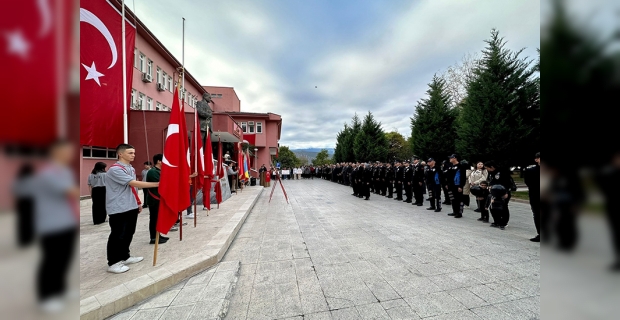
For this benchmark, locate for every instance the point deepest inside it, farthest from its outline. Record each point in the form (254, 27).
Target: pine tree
(433, 128)
(494, 122)
(343, 147)
(370, 143)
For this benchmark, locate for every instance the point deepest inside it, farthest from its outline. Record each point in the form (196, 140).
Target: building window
(251, 127)
(159, 75)
(244, 126)
(140, 100)
(158, 108)
(149, 105)
(170, 83)
(164, 79)
(141, 65)
(259, 127)
(135, 57)
(133, 96)
(149, 67)
(99, 152)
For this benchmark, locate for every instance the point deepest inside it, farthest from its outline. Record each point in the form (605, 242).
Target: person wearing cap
(398, 178)
(389, 180)
(500, 176)
(446, 182)
(367, 181)
(532, 180)
(433, 181)
(408, 181)
(457, 183)
(417, 182)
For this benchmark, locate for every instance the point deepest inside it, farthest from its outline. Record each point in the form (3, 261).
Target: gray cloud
(275, 53)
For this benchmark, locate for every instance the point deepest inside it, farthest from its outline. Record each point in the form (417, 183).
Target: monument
(205, 115)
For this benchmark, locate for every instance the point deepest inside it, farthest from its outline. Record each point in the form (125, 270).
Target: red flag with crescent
(101, 73)
(175, 170)
(209, 176)
(198, 154)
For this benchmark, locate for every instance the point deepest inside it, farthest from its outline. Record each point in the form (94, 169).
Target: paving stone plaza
(329, 255)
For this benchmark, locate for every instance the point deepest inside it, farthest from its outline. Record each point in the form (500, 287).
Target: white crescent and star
(90, 18)
(172, 129)
(17, 43)
(46, 17)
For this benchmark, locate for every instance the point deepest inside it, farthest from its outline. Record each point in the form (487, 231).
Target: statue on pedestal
(205, 115)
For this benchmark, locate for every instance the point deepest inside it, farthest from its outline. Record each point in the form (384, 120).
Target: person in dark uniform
(433, 181)
(367, 181)
(389, 180)
(532, 180)
(354, 180)
(407, 181)
(607, 180)
(446, 182)
(398, 172)
(457, 182)
(482, 200)
(500, 176)
(417, 183)
(360, 180)
(384, 181)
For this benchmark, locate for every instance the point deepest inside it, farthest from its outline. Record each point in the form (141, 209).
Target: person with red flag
(123, 206)
(174, 184)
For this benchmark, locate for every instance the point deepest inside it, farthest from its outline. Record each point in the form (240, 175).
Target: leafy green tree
(496, 117)
(287, 158)
(322, 158)
(398, 147)
(370, 143)
(433, 127)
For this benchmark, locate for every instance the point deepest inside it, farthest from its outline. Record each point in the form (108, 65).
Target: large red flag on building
(174, 181)
(209, 173)
(198, 153)
(101, 73)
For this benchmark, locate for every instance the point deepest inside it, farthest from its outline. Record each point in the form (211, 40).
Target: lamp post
(256, 161)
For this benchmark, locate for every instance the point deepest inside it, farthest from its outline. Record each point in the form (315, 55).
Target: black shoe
(458, 216)
(161, 240)
(408, 201)
(493, 225)
(480, 219)
(502, 227)
(366, 199)
(485, 220)
(398, 199)
(419, 204)
(438, 210)
(536, 239)
(431, 208)
(476, 210)
(144, 206)
(452, 214)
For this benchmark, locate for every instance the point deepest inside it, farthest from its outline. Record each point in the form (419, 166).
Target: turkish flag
(220, 173)
(101, 73)
(209, 176)
(198, 154)
(174, 181)
(36, 39)
(240, 162)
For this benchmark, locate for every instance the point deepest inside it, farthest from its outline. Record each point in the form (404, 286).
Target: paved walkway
(329, 255)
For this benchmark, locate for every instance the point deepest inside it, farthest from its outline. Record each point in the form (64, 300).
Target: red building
(155, 75)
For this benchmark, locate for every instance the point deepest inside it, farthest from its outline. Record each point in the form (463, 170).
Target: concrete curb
(121, 297)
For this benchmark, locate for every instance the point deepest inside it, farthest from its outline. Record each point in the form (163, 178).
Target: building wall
(228, 102)
(150, 89)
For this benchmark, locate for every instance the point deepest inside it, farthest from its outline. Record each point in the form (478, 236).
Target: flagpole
(125, 137)
(196, 136)
(156, 245)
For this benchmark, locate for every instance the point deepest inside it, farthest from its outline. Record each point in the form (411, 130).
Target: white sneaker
(204, 208)
(189, 216)
(174, 228)
(118, 267)
(133, 260)
(53, 305)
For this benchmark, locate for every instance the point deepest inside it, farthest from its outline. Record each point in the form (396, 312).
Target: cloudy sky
(318, 62)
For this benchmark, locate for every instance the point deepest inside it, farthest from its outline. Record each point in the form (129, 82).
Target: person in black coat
(458, 178)
(398, 178)
(445, 183)
(408, 181)
(433, 181)
(532, 180)
(367, 181)
(500, 176)
(417, 183)
(389, 180)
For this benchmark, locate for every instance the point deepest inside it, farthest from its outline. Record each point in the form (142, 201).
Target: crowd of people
(409, 181)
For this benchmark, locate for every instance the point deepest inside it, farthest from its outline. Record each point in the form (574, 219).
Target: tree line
(485, 108)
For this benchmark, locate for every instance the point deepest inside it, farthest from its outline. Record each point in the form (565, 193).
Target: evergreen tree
(322, 158)
(349, 141)
(433, 128)
(370, 143)
(340, 152)
(495, 121)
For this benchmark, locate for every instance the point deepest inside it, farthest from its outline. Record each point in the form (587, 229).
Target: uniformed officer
(389, 180)
(418, 181)
(407, 181)
(446, 182)
(433, 181)
(500, 176)
(398, 171)
(458, 178)
(367, 181)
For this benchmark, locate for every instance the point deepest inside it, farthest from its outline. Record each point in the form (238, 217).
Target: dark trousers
(122, 226)
(390, 189)
(501, 217)
(408, 191)
(153, 214)
(449, 196)
(484, 212)
(434, 193)
(146, 196)
(24, 207)
(57, 251)
(457, 201)
(399, 190)
(535, 205)
(99, 211)
(366, 189)
(418, 192)
(466, 199)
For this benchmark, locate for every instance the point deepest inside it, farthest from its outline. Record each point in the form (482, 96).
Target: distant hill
(311, 153)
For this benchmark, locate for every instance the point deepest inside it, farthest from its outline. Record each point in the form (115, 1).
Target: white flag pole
(125, 133)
